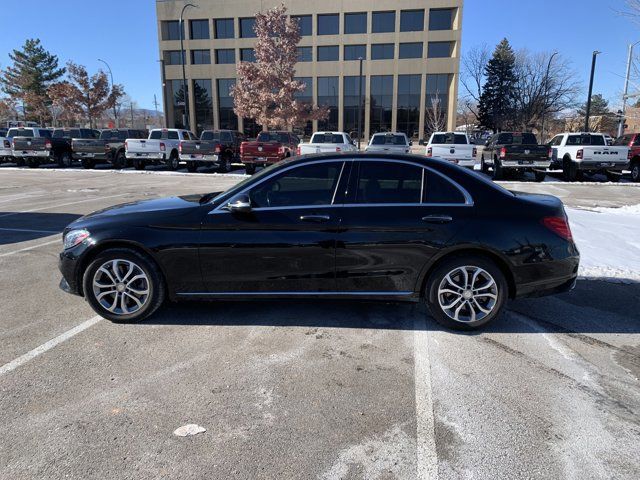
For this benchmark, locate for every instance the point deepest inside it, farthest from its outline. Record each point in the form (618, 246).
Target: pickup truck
(107, 148)
(160, 148)
(389, 142)
(454, 147)
(631, 140)
(324, 142)
(216, 148)
(5, 146)
(515, 152)
(577, 153)
(30, 145)
(267, 149)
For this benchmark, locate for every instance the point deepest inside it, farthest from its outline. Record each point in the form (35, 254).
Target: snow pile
(609, 242)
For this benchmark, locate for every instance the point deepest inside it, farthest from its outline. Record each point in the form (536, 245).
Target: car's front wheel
(123, 285)
(466, 292)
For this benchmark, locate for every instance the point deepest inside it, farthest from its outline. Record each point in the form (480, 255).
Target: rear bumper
(6, 152)
(32, 154)
(552, 277)
(523, 164)
(258, 160)
(146, 156)
(195, 157)
(104, 157)
(587, 165)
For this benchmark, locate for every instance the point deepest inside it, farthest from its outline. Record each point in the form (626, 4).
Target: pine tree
(496, 104)
(599, 106)
(34, 69)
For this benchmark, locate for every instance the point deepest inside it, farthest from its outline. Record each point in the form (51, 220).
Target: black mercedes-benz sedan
(357, 226)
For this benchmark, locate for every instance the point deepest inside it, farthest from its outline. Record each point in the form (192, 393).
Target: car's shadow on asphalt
(592, 307)
(16, 227)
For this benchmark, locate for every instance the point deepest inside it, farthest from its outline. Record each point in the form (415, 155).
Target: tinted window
(305, 54)
(440, 49)
(281, 137)
(354, 52)
(225, 55)
(437, 189)
(199, 29)
(586, 140)
(382, 51)
(385, 139)
(171, 30)
(449, 139)
(45, 133)
(556, 140)
(327, 54)
(355, 23)
(517, 139)
(328, 24)
(304, 24)
(20, 132)
(172, 57)
(410, 50)
(246, 27)
(326, 138)
(155, 135)
(200, 57)
(247, 55)
(209, 135)
(411, 20)
(305, 185)
(172, 135)
(224, 28)
(388, 182)
(383, 22)
(441, 18)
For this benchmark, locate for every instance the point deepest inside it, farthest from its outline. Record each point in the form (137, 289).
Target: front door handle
(315, 218)
(437, 219)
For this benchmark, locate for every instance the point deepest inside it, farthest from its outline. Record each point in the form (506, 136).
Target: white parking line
(30, 248)
(425, 426)
(21, 360)
(28, 230)
(62, 205)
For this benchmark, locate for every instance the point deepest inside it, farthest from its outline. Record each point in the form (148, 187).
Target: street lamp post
(360, 103)
(626, 89)
(546, 92)
(185, 95)
(593, 69)
(115, 109)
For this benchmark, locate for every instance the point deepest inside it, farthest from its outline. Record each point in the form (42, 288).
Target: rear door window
(388, 182)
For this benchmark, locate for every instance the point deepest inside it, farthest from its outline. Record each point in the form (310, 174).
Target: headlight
(75, 237)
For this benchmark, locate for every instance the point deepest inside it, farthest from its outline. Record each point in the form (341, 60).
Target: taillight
(281, 150)
(579, 154)
(47, 144)
(338, 149)
(474, 152)
(163, 147)
(241, 148)
(218, 149)
(180, 147)
(298, 151)
(559, 226)
(126, 145)
(429, 151)
(550, 153)
(629, 155)
(503, 152)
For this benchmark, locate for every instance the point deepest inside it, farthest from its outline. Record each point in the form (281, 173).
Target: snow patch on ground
(609, 242)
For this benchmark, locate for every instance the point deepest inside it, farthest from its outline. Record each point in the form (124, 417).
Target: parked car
(61, 150)
(327, 142)
(216, 148)
(160, 148)
(30, 145)
(577, 153)
(5, 146)
(108, 147)
(268, 148)
(454, 147)
(389, 142)
(632, 140)
(515, 152)
(409, 228)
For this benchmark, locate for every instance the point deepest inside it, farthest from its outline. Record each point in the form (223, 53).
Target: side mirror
(240, 204)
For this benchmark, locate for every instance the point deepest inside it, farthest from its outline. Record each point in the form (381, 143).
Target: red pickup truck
(632, 140)
(267, 149)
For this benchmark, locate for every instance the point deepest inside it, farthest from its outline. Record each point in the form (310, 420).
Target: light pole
(360, 103)
(115, 110)
(593, 69)
(626, 89)
(164, 93)
(185, 95)
(544, 99)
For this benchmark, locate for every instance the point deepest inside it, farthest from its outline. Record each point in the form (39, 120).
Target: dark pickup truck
(267, 149)
(216, 148)
(515, 152)
(108, 148)
(52, 147)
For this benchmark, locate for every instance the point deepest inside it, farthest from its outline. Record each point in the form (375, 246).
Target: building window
(225, 56)
(436, 101)
(409, 104)
(200, 57)
(246, 27)
(202, 97)
(439, 49)
(351, 101)
(328, 97)
(224, 28)
(176, 95)
(305, 54)
(247, 55)
(382, 51)
(382, 22)
(328, 24)
(355, 23)
(306, 97)
(171, 30)
(410, 50)
(172, 57)
(328, 54)
(441, 18)
(199, 29)
(355, 52)
(228, 119)
(381, 103)
(304, 23)
(412, 20)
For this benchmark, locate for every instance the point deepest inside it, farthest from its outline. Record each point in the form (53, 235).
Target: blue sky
(124, 34)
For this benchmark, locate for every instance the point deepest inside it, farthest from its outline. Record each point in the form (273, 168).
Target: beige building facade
(410, 51)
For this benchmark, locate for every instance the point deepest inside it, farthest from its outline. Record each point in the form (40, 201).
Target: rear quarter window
(438, 189)
(156, 135)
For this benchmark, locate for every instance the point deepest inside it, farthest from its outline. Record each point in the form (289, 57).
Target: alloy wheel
(467, 294)
(121, 287)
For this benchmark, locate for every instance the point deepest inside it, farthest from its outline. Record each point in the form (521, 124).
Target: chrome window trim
(335, 190)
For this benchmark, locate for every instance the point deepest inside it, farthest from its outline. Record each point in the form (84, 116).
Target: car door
(286, 242)
(397, 216)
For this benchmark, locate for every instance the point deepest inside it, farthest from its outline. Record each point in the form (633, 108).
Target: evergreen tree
(497, 100)
(599, 106)
(33, 71)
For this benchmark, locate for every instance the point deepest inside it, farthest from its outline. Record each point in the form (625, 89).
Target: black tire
(64, 160)
(225, 163)
(539, 175)
(20, 162)
(498, 172)
(32, 163)
(569, 170)
(448, 266)
(192, 166)
(613, 176)
(483, 166)
(635, 170)
(250, 168)
(174, 162)
(88, 163)
(120, 160)
(139, 164)
(155, 285)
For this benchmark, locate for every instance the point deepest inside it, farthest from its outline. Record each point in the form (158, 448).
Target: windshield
(449, 139)
(586, 139)
(326, 138)
(273, 137)
(388, 140)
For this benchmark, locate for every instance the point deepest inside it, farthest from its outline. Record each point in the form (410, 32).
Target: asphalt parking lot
(301, 389)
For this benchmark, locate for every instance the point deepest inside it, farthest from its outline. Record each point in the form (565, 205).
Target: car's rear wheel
(138, 164)
(570, 170)
(483, 166)
(192, 166)
(225, 163)
(123, 285)
(32, 163)
(88, 163)
(250, 168)
(613, 176)
(466, 292)
(635, 171)
(539, 175)
(64, 160)
(174, 162)
(120, 161)
(498, 172)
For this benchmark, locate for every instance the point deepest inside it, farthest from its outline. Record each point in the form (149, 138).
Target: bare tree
(472, 76)
(435, 116)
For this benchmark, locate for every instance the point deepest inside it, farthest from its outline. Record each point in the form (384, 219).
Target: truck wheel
(225, 164)
(483, 166)
(20, 162)
(192, 166)
(569, 170)
(174, 162)
(613, 176)
(498, 172)
(635, 171)
(64, 160)
(138, 164)
(88, 163)
(32, 163)
(250, 168)
(539, 175)
(120, 161)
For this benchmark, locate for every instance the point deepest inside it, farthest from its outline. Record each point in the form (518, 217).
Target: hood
(148, 206)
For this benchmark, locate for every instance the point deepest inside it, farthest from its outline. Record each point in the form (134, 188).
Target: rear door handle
(315, 218)
(437, 219)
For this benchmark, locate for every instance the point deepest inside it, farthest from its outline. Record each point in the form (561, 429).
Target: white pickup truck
(454, 147)
(162, 147)
(576, 153)
(325, 142)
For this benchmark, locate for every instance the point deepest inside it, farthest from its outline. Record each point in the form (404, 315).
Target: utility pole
(544, 100)
(164, 93)
(185, 95)
(593, 69)
(115, 110)
(131, 105)
(155, 104)
(626, 89)
(360, 104)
